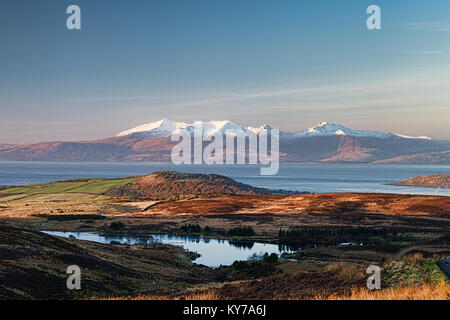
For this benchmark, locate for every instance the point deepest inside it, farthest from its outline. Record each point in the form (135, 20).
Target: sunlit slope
(89, 186)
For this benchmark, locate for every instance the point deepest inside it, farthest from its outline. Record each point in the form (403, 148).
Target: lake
(316, 178)
(213, 252)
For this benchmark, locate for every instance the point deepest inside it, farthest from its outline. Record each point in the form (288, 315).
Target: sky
(288, 63)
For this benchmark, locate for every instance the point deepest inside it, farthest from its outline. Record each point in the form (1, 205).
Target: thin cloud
(425, 26)
(429, 52)
(110, 99)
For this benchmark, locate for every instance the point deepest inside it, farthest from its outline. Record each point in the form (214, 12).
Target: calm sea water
(213, 252)
(292, 176)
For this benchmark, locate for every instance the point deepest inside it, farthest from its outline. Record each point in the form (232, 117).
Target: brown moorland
(339, 203)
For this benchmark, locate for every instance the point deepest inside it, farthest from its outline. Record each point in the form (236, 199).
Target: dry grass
(440, 291)
(346, 270)
(206, 295)
(203, 295)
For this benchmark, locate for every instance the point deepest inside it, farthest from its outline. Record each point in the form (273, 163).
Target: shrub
(207, 229)
(273, 258)
(117, 225)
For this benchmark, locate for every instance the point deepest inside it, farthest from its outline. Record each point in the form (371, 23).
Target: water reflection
(213, 252)
(242, 244)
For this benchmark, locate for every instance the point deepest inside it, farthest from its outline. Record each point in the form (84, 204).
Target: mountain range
(324, 142)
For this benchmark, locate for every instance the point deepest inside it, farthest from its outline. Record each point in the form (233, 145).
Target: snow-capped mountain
(331, 129)
(159, 128)
(325, 142)
(164, 128)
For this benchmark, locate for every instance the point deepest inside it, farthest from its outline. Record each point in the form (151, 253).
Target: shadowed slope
(33, 266)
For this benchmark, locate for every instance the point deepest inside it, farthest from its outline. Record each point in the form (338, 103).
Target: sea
(298, 177)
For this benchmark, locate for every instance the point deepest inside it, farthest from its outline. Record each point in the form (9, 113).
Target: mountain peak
(331, 129)
(157, 128)
(166, 127)
(325, 127)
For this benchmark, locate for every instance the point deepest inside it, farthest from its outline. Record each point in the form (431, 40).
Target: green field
(89, 186)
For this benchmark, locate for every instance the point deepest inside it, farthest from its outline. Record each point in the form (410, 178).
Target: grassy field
(89, 186)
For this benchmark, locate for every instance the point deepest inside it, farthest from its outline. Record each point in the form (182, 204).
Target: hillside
(166, 184)
(434, 181)
(34, 266)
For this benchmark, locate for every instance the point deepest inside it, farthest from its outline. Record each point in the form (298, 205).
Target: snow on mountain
(331, 129)
(164, 128)
(159, 128)
(408, 137)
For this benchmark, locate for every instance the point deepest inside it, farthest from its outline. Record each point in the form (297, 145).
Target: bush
(257, 268)
(273, 258)
(240, 265)
(117, 225)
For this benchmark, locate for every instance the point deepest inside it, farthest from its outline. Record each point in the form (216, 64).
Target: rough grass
(329, 285)
(204, 295)
(435, 291)
(346, 270)
(431, 291)
(412, 271)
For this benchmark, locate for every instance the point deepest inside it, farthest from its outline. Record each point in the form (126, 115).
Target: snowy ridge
(164, 128)
(331, 129)
(408, 137)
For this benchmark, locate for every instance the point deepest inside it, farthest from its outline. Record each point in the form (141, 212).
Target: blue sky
(289, 63)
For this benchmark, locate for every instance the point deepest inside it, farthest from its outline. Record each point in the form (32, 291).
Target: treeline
(328, 236)
(234, 232)
(70, 217)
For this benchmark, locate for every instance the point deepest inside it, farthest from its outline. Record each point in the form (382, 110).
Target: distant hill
(166, 184)
(428, 158)
(435, 181)
(324, 142)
